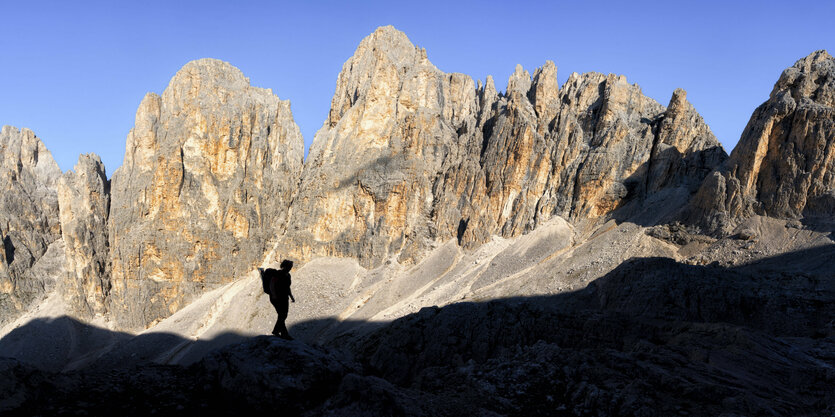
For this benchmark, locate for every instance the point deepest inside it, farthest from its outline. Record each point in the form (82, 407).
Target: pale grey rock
(84, 203)
(28, 218)
(209, 171)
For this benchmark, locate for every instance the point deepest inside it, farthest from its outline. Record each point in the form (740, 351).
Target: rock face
(410, 155)
(84, 202)
(783, 165)
(28, 217)
(209, 171)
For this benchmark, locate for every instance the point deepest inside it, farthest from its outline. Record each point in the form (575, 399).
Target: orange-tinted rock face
(209, 171)
(783, 165)
(410, 155)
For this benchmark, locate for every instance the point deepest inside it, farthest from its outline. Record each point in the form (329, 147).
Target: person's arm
(290, 293)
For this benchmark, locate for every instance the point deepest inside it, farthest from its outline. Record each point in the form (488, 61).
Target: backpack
(266, 277)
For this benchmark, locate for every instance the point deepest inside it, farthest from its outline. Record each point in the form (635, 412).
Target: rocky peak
(811, 78)
(681, 117)
(25, 155)
(544, 94)
(210, 168)
(141, 141)
(28, 217)
(487, 93)
(366, 190)
(410, 155)
(685, 148)
(781, 166)
(519, 82)
(206, 84)
(386, 54)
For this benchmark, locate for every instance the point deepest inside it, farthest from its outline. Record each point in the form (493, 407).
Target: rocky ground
(652, 337)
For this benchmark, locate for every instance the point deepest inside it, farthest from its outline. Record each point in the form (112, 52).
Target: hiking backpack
(266, 277)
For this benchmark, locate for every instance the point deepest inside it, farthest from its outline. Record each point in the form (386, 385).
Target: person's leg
(279, 322)
(281, 309)
(282, 316)
(283, 333)
(279, 326)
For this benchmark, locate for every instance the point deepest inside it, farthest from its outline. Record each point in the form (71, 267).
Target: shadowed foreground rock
(653, 337)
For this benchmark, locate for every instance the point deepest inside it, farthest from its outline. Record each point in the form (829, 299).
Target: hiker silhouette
(278, 283)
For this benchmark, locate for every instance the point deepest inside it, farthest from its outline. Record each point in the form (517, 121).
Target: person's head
(286, 264)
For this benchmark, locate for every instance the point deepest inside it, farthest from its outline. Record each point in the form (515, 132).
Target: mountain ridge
(548, 250)
(407, 158)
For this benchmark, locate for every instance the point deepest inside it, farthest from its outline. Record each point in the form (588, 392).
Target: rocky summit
(783, 165)
(410, 155)
(29, 224)
(209, 172)
(574, 249)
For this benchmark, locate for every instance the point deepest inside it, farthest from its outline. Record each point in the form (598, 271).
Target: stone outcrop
(410, 155)
(28, 218)
(84, 202)
(209, 171)
(784, 164)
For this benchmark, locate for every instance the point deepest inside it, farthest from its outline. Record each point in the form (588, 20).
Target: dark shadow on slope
(652, 337)
(65, 343)
(50, 344)
(822, 224)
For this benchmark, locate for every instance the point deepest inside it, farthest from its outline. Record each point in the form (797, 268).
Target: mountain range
(547, 250)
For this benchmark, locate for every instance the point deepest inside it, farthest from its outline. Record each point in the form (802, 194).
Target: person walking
(279, 286)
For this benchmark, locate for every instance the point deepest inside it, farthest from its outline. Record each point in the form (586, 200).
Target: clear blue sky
(75, 72)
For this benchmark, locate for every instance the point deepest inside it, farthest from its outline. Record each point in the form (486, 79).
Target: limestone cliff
(28, 217)
(208, 174)
(367, 186)
(784, 164)
(84, 202)
(410, 156)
